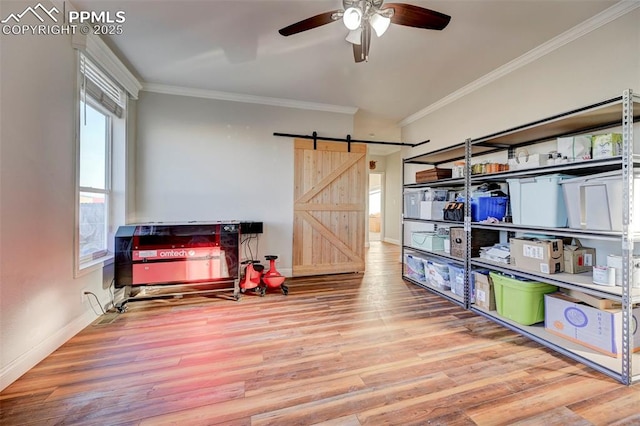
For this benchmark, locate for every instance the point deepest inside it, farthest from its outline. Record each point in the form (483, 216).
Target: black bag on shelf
(454, 211)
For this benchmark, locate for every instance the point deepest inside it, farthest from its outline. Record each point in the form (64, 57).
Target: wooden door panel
(329, 208)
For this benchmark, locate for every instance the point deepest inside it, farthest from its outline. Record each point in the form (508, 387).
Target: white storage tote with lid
(538, 201)
(595, 202)
(412, 201)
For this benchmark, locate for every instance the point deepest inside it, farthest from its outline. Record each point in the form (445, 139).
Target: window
(95, 146)
(100, 134)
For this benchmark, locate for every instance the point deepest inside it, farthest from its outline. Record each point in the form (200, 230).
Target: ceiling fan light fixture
(379, 23)
(352, 18)
(355, 36)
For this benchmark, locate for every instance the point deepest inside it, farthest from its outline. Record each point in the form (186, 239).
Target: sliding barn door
(329, 208)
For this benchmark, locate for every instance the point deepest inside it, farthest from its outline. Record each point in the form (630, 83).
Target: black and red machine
(180, 254)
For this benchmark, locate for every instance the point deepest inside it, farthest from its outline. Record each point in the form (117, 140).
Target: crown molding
(580, 30)
(237, 97)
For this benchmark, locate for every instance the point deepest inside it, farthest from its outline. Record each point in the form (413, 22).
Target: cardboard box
(578, 259)
(485, 295)
(607, 145)
(596, 302)
(600, 330)
(432, 209)
(575, 148)
(479, 238)
(546, 256)
(523, 159)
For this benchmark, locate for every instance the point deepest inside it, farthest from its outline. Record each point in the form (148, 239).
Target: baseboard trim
(392, 241)
(16, 368)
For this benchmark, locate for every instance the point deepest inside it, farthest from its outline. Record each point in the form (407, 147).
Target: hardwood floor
(341, 350)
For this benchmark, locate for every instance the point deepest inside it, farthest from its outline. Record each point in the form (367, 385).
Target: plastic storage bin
(414, 268)
(538, 201)
(412, 201)
(595, 202)
(485, 207)
(520, 300)
(431, 194)
(437, 274)
(427, 241)
(456, 279)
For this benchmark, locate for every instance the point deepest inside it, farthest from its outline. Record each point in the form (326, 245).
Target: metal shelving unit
(622, 111)
(456, 152)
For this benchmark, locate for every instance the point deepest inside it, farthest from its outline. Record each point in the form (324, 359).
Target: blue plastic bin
(485, 207)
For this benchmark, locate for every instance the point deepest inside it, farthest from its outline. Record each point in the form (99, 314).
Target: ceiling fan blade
(361, 51)
(419, 17)
(309, 23)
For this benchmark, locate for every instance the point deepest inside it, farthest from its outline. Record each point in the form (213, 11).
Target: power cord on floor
(97, 300)
(112, 291)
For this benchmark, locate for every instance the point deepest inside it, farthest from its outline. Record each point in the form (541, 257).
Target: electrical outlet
(83, 296)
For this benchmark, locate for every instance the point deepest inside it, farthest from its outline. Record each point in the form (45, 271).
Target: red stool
(252, 276)
(272, 278)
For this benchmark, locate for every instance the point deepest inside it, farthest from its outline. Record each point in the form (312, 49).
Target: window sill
(93, 265)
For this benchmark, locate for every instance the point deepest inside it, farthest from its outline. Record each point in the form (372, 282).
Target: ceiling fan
(360, 16)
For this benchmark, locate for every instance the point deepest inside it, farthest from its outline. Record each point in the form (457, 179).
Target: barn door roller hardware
(348, 140)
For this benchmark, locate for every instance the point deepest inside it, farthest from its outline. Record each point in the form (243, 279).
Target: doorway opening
(376, 220)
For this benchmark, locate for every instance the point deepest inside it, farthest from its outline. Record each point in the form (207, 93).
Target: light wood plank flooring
(340, 350)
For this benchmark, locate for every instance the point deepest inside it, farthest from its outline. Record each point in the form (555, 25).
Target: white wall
(41, 303)
(368, 126)
(393, 198)
(595, 67)
(204, 159)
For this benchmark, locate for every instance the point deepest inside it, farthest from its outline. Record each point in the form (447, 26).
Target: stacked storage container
(595, 202)
(538, 201)
(519, 299)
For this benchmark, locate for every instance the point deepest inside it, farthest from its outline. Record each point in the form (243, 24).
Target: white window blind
(101, 88)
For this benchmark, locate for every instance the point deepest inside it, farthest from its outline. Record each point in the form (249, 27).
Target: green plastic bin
(519, 300)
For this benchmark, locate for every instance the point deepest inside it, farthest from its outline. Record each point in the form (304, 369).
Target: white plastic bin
(595, 202)
(432, 209)
(412, 201)
(572, 201)
(538, 201)
(615, 262)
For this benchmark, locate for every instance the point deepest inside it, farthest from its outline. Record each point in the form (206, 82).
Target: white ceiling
(234, 46)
